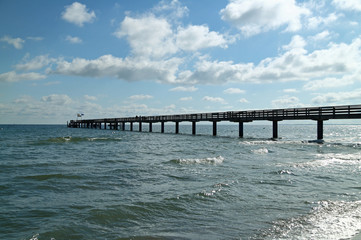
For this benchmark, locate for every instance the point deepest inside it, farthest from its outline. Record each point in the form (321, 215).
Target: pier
(319, 114)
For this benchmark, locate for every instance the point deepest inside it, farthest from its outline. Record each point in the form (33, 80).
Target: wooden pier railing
(318, 114)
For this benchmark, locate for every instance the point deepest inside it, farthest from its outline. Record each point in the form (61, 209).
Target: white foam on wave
(260, 151)
(333, 159)
(328, 220)
(209, 160)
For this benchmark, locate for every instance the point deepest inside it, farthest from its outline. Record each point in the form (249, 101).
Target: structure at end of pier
(319, 114)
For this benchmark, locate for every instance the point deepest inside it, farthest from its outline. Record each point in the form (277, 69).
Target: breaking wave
(209, 160)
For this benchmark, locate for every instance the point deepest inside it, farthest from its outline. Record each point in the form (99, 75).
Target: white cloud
(338, 97)
(195, 37)
(36, 63)
(256, 16)
(290, 90)
(350, 5)
(297, 42)
(90, 98)
(154, 37)
(286, 102)
(73, 40)
(15, 77)
(183, 89)
(294, 65)
(332, 82)
(16, 42)
(186, 99)
(243, 100)
(233, 91)
(129, 69)
(171, 10)
(140, 97)
(214, 99)
(78, 14)
(314, 22)
(321, 36)
(57, 99)
(148, 36)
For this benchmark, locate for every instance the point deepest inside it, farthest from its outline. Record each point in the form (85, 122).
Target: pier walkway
(319, 114)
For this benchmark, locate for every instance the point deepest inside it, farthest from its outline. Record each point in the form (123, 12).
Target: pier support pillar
(140, 126)
(162, 127)
(131, 126)
(275, 129)
(123, 126)
(176, 127)
(214, 128)
(116, 126)
(150, 127)
(319, 129)
(194, 128)
(240, 129)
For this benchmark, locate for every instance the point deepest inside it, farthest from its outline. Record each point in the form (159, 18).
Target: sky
(113, 58)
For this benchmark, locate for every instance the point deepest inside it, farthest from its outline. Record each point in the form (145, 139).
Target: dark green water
(60, 183)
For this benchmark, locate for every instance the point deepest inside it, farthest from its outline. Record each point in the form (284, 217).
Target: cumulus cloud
(57, 99)
(215, 99)
(286, 102)
(255, 16)
(195, 37)
(148, 36)
(140, 97)
(36, 63)
(293, 65)
(78, 14)
(129, 69)
(15, 42)
(350, 5)
(186, 99)
(321, 36)
(297, 42)
(183, 89)
(233, 91)
(90, 98)
(316, 21)
(73, 40)
(243, 100)
(16, 77)
(338, 97)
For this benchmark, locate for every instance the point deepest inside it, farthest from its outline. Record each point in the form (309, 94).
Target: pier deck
(319, 114)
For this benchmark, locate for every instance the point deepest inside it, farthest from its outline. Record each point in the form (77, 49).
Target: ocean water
(61, 183)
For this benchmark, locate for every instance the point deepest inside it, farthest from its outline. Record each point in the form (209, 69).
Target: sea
(78, 183)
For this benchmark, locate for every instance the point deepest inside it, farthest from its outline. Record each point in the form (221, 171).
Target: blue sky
(141, 57)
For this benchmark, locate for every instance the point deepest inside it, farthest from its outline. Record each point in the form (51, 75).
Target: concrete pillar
(194, 128)
(123, 126)
(131, 126)
(116, 126)
(150, 127)
(176, 127)
(275, 129)
(140, 126)
(319, 129)
(240, 129)
(214, 128)
(162, 127)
